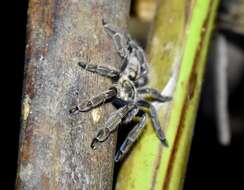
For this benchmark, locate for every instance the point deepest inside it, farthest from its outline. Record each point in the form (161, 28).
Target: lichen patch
(96, 115)
(26, 107)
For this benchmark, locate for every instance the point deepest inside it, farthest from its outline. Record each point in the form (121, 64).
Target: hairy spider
(128, 93)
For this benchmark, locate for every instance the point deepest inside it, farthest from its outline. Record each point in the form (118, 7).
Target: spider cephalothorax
(128, 93)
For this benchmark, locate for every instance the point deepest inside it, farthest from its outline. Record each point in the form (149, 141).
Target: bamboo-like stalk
(177, 51)
(55, 150)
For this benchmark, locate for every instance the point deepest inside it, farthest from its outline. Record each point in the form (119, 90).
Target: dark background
(211, 166)
(13, 26)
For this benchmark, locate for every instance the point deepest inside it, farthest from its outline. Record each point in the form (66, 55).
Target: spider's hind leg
(94, 101)
(148, 107)
(131, 115)
(119, 39)
(101, 70)
(131, 138)
(153, 95)
(111, 124)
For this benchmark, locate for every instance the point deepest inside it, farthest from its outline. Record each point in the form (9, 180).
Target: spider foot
(83, 107)
(110, 31)
(74, 110)
(101, 136)
(118, 156)
(82, 65)
(95, 143)
(164, 142)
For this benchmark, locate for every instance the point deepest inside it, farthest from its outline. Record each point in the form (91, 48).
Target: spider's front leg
(152, 95)
(111, 124)
(101, 70)
(131, 138)
(94, 101)
(150, 109)
(140, 55)
(119, 40)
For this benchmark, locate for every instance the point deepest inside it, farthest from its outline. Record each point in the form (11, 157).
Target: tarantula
(128, 93)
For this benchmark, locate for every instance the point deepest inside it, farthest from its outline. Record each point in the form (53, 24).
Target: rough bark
(54, 150)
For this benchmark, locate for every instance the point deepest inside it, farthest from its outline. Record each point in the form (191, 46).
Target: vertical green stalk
(177, 51)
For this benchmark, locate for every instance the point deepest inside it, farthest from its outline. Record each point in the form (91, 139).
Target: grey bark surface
(54, 150)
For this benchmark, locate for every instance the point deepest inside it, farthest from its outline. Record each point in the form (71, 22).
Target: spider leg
(140, 54)
(119, 40)
(141, 81)
(94, 101)
(101, 70)
(152, 94)
(150, 109)
(131, 138)
(131, 115)
(111, 125)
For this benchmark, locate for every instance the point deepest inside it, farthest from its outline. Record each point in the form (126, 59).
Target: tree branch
(54, 150)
